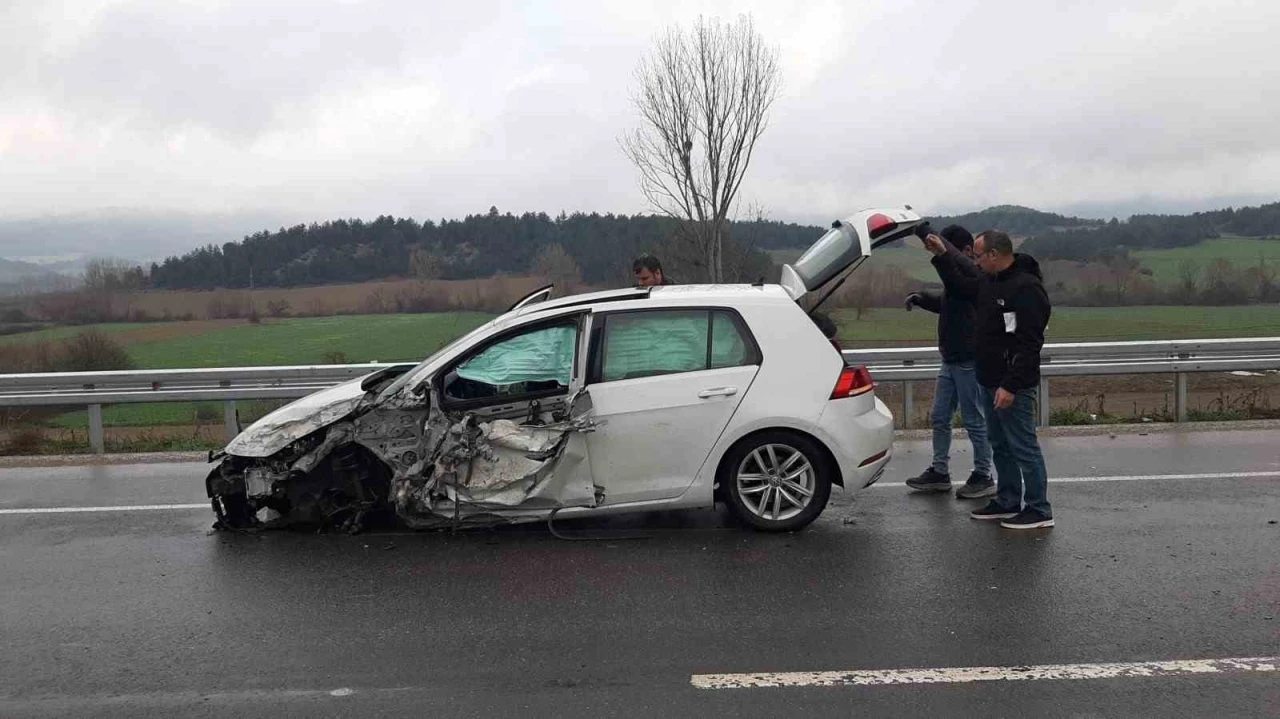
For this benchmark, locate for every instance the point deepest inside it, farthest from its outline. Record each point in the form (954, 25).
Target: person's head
(959, 238)
(648, 271)
(993, 251)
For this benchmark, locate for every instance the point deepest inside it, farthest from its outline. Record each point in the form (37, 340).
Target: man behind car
(957, 383)
(648, 272)
(1011, 311)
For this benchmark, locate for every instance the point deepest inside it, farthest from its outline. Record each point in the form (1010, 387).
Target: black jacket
(1011, 312)
(955, 319)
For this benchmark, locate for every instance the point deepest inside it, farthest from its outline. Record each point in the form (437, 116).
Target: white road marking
(963, 675)
(1135, 478)
(121, 508)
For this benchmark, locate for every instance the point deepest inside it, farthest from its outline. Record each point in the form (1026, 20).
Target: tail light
(878, 225)
(853, 382)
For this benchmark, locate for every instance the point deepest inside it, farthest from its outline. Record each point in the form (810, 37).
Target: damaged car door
(664, 384)
(508, 429)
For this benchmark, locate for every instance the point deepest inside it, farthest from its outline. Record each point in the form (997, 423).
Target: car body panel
(278, 429)
(645, 447)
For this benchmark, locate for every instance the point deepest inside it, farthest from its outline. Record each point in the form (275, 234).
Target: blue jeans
(1020, 472)
(957, 384)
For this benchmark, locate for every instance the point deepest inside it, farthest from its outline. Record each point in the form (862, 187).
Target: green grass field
(319, 340)
(64, 333)
(1240, 251)
(314, 340)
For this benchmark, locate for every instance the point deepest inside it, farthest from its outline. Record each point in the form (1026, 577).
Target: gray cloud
(316, 110)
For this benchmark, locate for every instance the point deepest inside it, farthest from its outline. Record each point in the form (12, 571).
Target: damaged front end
(403, 459)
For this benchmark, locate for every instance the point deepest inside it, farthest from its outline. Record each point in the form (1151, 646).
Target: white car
(670, 397)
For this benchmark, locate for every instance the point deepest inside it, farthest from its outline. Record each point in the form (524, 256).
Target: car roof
(660, 296)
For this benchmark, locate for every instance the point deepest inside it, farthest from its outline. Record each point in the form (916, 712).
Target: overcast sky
(318, 109)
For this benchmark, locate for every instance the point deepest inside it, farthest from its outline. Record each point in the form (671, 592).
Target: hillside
(1117, 238)
(598, 248)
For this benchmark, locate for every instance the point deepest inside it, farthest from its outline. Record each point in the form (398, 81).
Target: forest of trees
(602, 247)
(599, 248)
(1115, 238)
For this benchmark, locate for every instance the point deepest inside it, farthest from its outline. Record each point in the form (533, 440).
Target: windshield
(408, 377)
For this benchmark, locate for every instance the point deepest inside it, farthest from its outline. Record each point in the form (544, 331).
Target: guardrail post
(1180, 397)
(1042, 403)
(908, 402)
(232, 427)
(95, 429)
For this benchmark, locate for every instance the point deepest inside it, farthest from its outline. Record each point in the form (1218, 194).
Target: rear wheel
(776, 481)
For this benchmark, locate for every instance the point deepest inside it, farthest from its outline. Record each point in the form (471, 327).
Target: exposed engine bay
(404, 460)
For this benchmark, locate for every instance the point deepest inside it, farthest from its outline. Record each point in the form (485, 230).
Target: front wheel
(776, 481)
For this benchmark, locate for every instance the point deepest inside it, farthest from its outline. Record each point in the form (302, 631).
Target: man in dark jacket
(1011, 312)
(957, 384)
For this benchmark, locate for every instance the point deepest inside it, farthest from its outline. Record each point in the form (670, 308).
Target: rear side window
(652, 343)
(730, 347)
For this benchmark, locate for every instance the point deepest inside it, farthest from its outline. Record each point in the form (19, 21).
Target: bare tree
(1188, 271)
(425, 264)
(703, 98)
(557, 265)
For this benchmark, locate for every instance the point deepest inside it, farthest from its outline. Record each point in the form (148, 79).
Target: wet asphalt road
(149, 614)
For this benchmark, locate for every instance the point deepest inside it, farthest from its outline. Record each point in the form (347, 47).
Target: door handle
(718, 392)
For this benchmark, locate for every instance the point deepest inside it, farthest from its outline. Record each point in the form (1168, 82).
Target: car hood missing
(296, 420)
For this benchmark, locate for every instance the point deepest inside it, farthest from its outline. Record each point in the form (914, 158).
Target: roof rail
(628, 293)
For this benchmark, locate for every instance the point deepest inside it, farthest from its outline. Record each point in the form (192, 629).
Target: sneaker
(1028, 519)
(992, 510)
(931, 480)
(978, 486)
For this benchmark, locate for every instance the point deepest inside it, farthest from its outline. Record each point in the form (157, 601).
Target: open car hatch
(843, 247)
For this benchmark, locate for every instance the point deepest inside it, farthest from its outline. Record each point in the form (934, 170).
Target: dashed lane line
(121, 508)
(964, 675)
(1136, 478)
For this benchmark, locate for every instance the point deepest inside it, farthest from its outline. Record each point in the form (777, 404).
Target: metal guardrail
(1177, 357)
(906, 365)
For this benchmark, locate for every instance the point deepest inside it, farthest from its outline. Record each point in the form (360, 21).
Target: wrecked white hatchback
(669, 397)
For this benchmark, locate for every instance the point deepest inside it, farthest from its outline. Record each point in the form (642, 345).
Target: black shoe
(1028, 519)
(978, 486)
(931, 481)
(993, 510)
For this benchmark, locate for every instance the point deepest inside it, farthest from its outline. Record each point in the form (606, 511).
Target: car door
(518, 387)
(664, 384)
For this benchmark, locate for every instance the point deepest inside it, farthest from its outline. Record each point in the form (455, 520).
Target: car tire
(765, 478)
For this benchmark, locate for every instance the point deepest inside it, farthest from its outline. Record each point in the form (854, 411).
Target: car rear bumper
(860, 439)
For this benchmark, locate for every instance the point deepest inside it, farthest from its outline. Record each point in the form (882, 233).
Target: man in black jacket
(957, 384)
(1012, 310)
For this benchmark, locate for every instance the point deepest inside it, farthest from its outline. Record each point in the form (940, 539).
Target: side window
(651, 343)
(644, 344)
(730, 347)
(540, 360)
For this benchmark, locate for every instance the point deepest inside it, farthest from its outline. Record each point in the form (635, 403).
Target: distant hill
(12, 270)
(1016, 220)
(602, 246)
(1117, 238)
